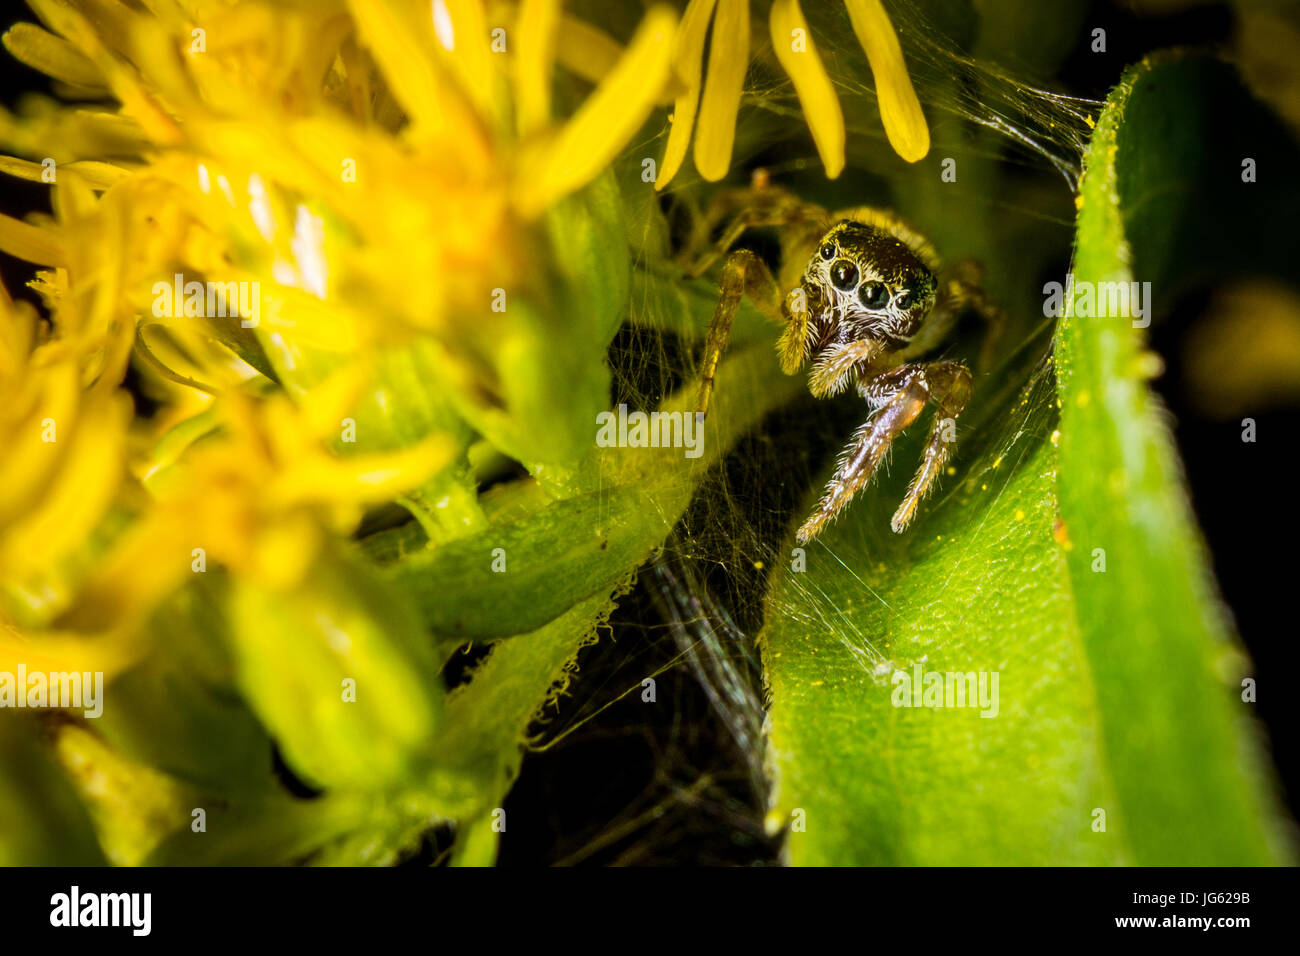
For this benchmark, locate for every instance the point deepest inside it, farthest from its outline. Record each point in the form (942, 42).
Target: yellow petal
(29, 460)
(586, 50)
(688, 65)
(604, 123)
(360, 478)
(536, 29)
(591, 53)
(99, 175)
(462, 35)
(394, 41)
(52, 55)
(138, 103)
(725, 81)
(79, 492)
(283, 551)
(31, 243)
(65, 652)
(323, 409)
(900, 110)
(811, 82)
(22, 169)
(117, 593)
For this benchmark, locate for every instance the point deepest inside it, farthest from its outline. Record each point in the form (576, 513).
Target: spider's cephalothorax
(872, 297)
(865, 282)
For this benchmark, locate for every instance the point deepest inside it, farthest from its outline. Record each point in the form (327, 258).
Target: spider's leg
(742, 274)
(951, 382)
(748, 209)
(907, 394)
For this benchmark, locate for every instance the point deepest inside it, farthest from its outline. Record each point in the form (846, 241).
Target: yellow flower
(65, 449)
(64, 430)
(715, 93)
(373, 170)
(257, 493)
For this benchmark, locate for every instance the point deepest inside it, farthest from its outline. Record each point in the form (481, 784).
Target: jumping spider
(872, 297)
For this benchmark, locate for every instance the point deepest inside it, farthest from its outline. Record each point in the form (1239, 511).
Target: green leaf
(42, 823)
(340, 673)
(976, 586)
(1168, 678)
(167, 701)
(521, 573)
(1117, 694)
(487, 719)
(273, 831)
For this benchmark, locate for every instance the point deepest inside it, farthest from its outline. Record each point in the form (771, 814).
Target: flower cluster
(371, 172)
(308, 264)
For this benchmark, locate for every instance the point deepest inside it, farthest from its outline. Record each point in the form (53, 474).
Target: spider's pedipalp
(834, 371)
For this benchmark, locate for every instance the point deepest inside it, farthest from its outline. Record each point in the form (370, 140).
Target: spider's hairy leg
(751, 208)
(902, 393)
(951, 383)
(792, 347)
(743, 274)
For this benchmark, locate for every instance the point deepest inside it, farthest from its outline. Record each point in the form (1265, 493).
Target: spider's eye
(903, 300)
(873, 294)
(844, 274)
(828, 251)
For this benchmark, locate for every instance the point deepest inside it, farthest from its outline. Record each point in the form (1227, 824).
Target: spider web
(701, 603)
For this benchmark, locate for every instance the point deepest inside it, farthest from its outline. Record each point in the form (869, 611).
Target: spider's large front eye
(873, 295)
(844, 274)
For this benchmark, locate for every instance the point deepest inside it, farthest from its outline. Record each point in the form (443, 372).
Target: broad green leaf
(976, 586)
(1167, 669)
(1119, 734)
